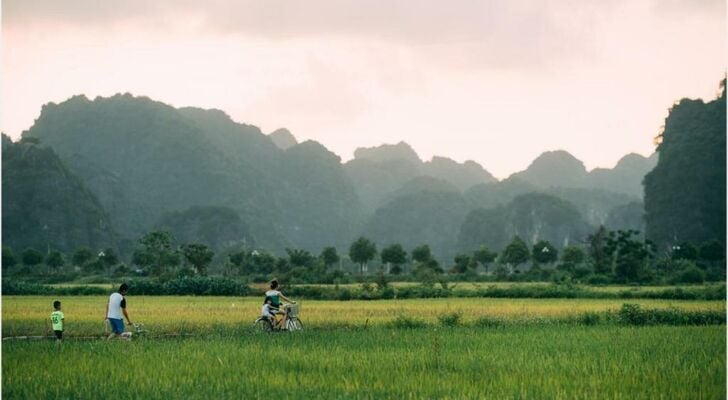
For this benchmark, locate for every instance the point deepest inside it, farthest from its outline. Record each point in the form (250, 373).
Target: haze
(497, 82)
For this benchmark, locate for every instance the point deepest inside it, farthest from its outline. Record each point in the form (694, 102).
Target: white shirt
(115, 306)
(265, 311)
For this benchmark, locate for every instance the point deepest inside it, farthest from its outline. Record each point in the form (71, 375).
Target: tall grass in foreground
(560, 362)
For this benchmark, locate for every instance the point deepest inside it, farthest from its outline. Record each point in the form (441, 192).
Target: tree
(422, 254)
(572, 255)
(329, 256)
(257, 262)
(9, 259)
(156, 252)
(300, 258)
(81, 256)
(395, 255)
(362, 251)
(632, 258)
(199, 255)
(544, 253)
(31, 257)
(516, 253)
(55, 260)
(484, 256)
(601, 250)
(462, 261)
(684, 251)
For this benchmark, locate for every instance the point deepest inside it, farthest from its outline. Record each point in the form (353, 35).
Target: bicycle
(293, 323)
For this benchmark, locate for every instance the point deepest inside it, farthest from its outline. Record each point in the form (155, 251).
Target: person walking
(115, 307)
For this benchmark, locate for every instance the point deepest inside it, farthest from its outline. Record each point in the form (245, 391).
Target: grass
(26, 315)
(554, 362)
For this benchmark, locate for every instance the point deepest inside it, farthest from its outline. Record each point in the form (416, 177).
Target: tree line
(603, 257)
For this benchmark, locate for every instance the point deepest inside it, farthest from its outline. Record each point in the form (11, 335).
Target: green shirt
(57, 320)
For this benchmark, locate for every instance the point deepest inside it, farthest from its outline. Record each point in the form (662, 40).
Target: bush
(387, 293)
(691, 274)
(598, 279)
(343, 294)
(450, 319)
(633, 314)
(199, 286)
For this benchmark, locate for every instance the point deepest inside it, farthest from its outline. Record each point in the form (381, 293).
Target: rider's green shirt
(275, 297)
(57, 320)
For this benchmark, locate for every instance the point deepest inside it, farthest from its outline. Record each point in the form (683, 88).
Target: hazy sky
(495, 81)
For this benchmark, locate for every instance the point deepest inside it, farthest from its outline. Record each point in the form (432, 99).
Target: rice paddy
(352, 350)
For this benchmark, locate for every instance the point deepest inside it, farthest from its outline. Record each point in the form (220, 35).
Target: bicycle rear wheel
(263, 325)
(294, 324)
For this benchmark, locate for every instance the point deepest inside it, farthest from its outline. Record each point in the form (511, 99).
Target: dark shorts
(59, 334)
(117, 325)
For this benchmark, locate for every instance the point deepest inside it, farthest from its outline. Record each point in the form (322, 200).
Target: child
(267, 311)
(57, 320)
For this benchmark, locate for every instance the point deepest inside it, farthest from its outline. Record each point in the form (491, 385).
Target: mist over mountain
(561, 169)
(45, 206)
(379, 171)
(209, 179)
(626, 177)
(532, 216)
(164, 159)
(425, 217)
(554, 169)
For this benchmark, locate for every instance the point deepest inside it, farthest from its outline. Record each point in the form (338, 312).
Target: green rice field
(353, 350)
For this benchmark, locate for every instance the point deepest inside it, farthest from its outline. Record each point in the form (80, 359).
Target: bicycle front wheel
(294, 324)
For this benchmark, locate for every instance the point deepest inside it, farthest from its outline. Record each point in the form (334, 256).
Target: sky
(493, 81)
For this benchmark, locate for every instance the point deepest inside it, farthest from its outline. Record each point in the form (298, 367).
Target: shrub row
(629, 314)
(26, 288)
(217, 286)
(197, 286)
(190, 286)
(633, 314)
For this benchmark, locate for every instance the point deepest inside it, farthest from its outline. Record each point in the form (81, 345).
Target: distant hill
(160, 159)
(532, 216)
(388, 152)
(419, 218)
(378, 172)
(45, 206)
(561, 169)
(555, 169)
(626, 177)
(226, 184)
(218, 227)
(685, 194)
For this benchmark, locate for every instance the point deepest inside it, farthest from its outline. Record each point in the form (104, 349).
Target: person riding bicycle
(275, 303)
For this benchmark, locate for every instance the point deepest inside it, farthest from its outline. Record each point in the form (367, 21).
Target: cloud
(500, 33)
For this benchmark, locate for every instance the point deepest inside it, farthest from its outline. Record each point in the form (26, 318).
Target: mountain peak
(555, 169)
(388, 152)
(283, 138)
